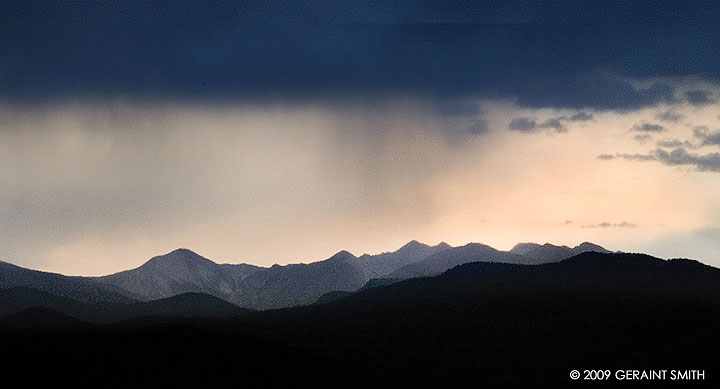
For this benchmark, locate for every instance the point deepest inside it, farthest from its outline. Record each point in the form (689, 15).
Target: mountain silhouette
(373, 283)
(17, 299)
(41, 319)
(78, 288)
(181, 271)
(449, 258)
(606, 276)
(302, 284)
(526, 254)
(551, 253)
(518, 323)
(412, 252)
(481, 322)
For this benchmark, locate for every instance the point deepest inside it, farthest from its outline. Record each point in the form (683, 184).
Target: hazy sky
(267, 134)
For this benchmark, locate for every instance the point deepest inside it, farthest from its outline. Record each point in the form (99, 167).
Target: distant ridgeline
(252, 287)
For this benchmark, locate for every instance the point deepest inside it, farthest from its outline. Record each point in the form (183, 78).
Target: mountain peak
(524, 247)
(342, 255)
(180, 255)
(443, 245)
(588, 246)
(413, 245)
(183, 251)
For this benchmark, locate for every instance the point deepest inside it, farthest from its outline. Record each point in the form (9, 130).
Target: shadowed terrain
(479, 322)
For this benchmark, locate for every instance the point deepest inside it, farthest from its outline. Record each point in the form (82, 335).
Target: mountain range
(252, 287)
(489, 322)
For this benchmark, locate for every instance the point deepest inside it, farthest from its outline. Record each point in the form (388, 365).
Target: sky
(282, 132)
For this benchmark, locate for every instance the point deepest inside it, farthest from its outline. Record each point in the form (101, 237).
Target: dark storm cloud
(464, 115)
(460, 108)
(648, 127)
(699, 97)
(562, 54)
(523, 125)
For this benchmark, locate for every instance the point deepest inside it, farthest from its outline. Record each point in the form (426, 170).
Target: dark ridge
(78, 288)
(333, 296)
(41, 319)
(185, 305)
(337, 294)
(192, 305)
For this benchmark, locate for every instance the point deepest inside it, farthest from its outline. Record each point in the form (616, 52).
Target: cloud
(672, 143)
(523, 124)
(706, 137)
(460, 108)
(699, 97)
(700, 131)
(712, 138)
(555, 124)
(679, 156)
(562, 54)
(463, 115)
(595, 91)
(648, 127)
(581, 117)
(628, 157)
(642, 137)
(622, 224)
(477, 126)
(669, 117)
